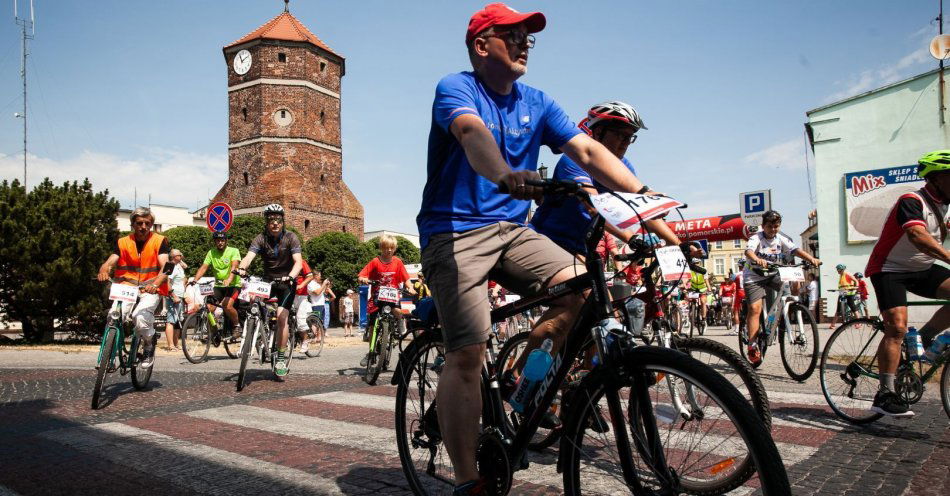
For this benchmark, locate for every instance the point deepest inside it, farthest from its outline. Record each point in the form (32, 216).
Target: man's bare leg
(459, 404)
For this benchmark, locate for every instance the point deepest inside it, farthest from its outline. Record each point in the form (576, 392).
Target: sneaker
(471, 488)
(148, 352)
(888, 403)
(281, 367)
(755, 356)
(364, 361)
(305, 346)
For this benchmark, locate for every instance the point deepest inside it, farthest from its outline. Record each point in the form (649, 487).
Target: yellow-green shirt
(697, 282)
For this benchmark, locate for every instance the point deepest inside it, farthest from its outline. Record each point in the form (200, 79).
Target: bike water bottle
(607, 329)
(938, 346)
(915, 349)
(535, 368)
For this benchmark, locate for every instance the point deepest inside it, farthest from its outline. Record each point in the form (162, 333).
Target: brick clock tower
(284, 129)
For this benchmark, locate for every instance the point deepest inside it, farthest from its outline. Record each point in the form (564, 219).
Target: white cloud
(886, 74)
(786, 155)
(171, 177)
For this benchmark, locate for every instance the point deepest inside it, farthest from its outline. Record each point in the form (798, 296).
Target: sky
(133, 94)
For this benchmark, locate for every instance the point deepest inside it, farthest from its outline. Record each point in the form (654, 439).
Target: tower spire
(286, 5)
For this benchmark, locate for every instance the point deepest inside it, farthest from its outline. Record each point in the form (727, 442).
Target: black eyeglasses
(516, 38)
(624, 137)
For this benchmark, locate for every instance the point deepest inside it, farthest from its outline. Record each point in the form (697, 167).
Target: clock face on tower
(242, 62)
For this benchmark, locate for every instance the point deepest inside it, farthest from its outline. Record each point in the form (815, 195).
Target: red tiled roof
(284, 27)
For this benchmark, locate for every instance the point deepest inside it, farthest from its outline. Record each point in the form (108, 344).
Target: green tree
(339, 256)
(54, 240)
(194, 241)
(404, 250)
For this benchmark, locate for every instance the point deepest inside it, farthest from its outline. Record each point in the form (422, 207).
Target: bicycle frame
(118, 321)
(783, 300)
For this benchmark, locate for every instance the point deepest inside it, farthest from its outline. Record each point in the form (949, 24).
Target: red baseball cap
(499, 14)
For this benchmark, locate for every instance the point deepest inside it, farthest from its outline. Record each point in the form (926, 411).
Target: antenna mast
(940, 32)
(25, 24)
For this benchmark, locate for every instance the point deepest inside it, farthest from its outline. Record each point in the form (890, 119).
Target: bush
(54, 240)
(404, 250)
(339, 256)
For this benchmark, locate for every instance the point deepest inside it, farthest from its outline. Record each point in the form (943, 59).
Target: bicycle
(113, 353)
(260, 327)
(695, 315)
(656, 331)
(845, 296)
(797, 331)
(849, 377)
(385, 328)
(626, 380)
(200, 330)
(314, 335)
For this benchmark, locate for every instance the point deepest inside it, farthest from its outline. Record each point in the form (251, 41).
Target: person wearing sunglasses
(141, 259)
(487, 130)
(281, 253)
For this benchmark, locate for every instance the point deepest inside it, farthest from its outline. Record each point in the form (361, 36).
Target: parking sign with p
(753, 204)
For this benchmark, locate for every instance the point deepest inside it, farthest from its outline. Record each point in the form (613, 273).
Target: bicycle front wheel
(315, 337)
(247, 347)
(105, 361)
(945, 388)
(798, 342)
(849, 370)
(140, 374)
(194, 337)
(424, 460)
(378, 356)
(649, 448)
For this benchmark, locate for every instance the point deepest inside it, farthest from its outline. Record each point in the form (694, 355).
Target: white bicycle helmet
(274, 208)
(612, 111)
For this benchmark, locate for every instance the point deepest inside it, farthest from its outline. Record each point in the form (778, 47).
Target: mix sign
(869, 196)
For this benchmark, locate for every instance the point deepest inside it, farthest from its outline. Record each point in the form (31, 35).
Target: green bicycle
(849, 373)
(114, 355)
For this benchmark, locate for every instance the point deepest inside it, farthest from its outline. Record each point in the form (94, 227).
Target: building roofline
(876, 90)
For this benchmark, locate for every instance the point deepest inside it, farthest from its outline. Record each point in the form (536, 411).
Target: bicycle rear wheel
(703, 456)
(231, 347)
(140, 374)
(424, 460)
(195, 338)
(798, 342)
(105, 360)
(849, 371)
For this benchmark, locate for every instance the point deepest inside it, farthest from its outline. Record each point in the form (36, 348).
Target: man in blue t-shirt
(487, 129)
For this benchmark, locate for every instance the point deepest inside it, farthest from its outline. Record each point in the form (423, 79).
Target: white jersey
(348, 304)
(777, 250)
(315, 299)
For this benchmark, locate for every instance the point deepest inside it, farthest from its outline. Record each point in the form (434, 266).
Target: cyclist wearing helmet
(903, 260)
(767, 245)
(848, 284)
(280, 250)
(862, 293)
(223, 259)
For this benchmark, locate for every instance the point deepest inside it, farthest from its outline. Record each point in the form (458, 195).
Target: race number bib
(673, 264)
(791, 274)
(511, 298)
(258, 289)
(205, 288)
(692, 295)
(388, 294)
(123, 292)
(726, 300)
(631, 209)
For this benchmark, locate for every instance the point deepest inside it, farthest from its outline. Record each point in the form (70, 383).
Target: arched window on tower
(323, 178)
(344, 227)
(322, 117)
(281, 57)
(246, 182)
(323, 66)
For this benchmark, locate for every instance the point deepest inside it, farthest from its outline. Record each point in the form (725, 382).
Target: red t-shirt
(390, 274)
(304, 272)
(862, 289)
(605, 245)
(727, 289)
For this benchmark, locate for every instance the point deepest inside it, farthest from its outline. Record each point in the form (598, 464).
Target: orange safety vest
(140, 269)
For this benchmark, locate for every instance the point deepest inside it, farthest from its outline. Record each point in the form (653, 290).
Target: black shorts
(891, 287)
(284, 293)
(220, 293)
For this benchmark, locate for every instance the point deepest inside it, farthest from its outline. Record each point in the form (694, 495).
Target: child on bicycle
(767, 245)
(385, 270)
